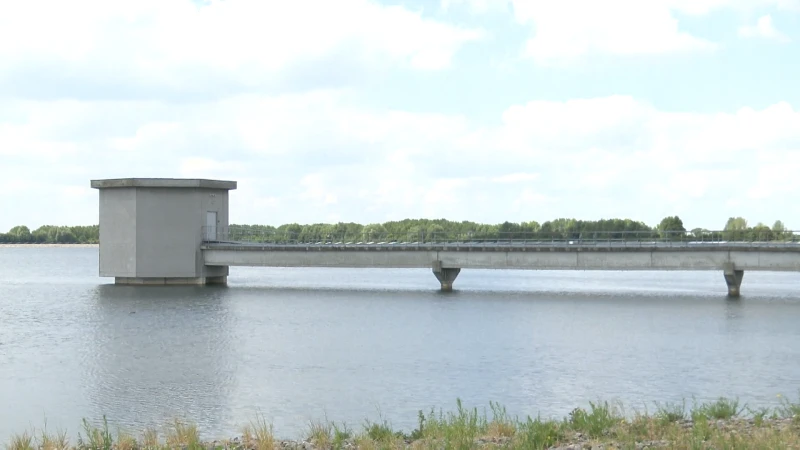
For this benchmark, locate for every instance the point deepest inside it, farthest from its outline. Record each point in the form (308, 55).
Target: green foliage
(789, 409)
(455, 430)
(601, 426)
(538, 434)
(340, 435)
(22, 441)
(671, 228)
(759, 415)
(50, 234)
(721, 409)
(596, 422)
(381, 432)
(671, 412)
(96, 438)
(320, 433)
(431, 230)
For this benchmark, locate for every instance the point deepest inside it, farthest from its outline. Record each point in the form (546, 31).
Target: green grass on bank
(722, 424)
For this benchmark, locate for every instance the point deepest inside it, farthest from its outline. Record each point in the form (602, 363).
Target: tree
(671, 227)
(20, 233)
(736, 224)
(373, 231)
(735, 228)
(780, 232)
(760, 232)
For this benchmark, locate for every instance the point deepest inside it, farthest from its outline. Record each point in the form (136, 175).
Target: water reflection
(155, 353)
(299, 344)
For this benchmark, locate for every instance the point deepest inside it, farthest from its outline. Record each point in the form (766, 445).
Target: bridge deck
(767, 256)
(446, 259)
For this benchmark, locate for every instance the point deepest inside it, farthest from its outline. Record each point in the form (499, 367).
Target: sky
(369, 111)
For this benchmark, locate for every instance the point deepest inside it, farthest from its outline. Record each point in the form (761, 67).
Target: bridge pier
(733, 278)
(446, 276)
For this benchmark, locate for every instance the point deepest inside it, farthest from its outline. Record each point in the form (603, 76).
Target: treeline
(51, 234)
(736, 228)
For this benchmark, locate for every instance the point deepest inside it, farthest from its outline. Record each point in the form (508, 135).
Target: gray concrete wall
(167, 232)
(639, 259)
(118, 233)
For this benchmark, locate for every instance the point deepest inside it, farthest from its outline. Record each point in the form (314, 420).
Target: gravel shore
(783, 433)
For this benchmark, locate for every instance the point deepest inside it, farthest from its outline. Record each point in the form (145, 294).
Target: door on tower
(211, 226)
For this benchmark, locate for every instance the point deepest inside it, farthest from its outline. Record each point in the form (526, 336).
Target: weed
(671, 412)
(380, 432)
(126, 442)
(340, 435)
(721, 409)
(96, 438)
(57, 441)
(150, 439)
(22, 441)
(595, 423)
(459, 429)
(464, 427)
(701, 430)
(182, 434)
(759, 415)
(538, 434)
(419, 432)
(789, 409)
(259, 434)
(501, 424)
(320, 434)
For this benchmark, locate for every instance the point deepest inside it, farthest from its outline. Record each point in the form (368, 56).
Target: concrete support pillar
(733, 278)
(446, 276)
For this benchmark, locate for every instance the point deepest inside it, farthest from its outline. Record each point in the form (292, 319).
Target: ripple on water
(302, 344)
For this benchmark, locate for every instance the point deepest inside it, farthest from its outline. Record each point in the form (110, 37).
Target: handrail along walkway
(447, 253)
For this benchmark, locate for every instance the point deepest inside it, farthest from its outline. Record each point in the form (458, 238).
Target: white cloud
(700, 7)
(565, 31)
(569, 29)
(764, 28)
(97, 48)
(165, 88)
(478, 6)
(318, 156)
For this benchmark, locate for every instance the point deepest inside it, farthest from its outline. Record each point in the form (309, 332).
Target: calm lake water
(303, 344)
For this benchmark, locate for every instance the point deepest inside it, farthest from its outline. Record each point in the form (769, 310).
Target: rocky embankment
(717, 425)
(767, 433)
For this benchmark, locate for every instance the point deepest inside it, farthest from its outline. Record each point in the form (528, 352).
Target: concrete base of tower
(171, 281)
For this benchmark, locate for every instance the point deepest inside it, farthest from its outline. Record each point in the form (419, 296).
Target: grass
(320, 433)
(720, 424)
(96, 438)
(183, 435)
(721, 409)
(671, 412)
(259, 435)
(597, 422)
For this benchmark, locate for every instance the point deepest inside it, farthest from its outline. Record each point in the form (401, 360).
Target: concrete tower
(151, 229)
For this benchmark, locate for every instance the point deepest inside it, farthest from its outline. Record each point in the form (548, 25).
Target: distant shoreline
(48, 245)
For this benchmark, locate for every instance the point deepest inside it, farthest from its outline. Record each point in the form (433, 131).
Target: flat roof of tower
(163, 183)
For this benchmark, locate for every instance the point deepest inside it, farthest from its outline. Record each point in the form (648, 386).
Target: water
(300, 344)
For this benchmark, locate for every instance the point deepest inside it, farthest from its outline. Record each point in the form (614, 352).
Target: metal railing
(753, 238)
